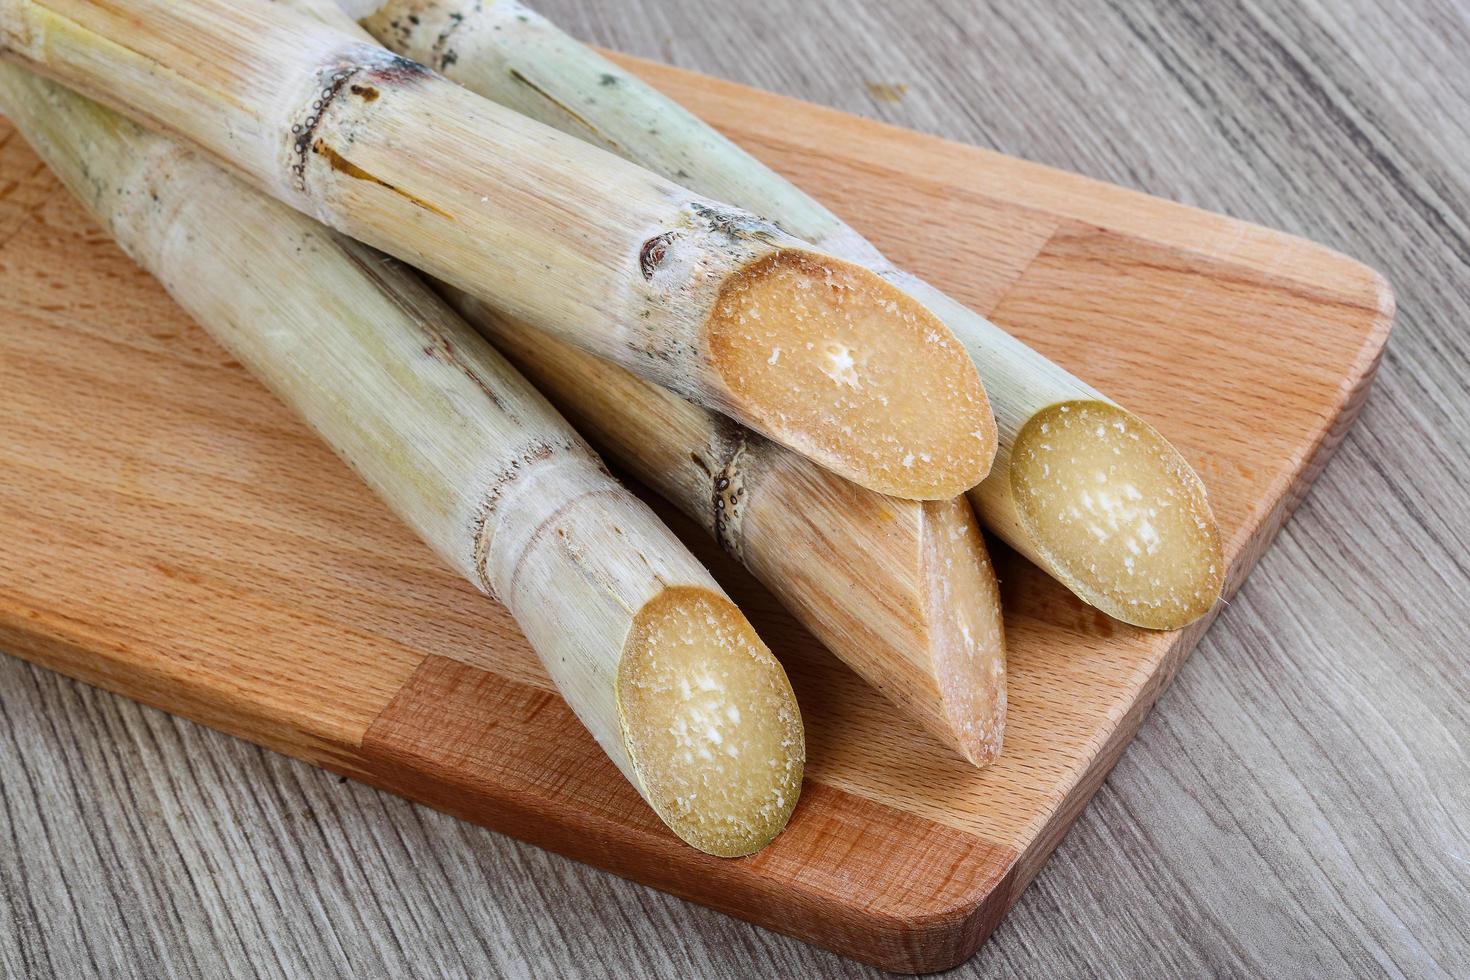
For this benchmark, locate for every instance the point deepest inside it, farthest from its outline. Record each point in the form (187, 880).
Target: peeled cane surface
(855, 374)
(1117, 513)
(711, 723)
(968, 640)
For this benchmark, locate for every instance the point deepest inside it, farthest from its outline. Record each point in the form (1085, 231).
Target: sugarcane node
(353, 71)
(305, 131)
(495, 491)
(726, 491)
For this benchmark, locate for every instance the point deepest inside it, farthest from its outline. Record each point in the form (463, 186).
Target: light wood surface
(1347, 651)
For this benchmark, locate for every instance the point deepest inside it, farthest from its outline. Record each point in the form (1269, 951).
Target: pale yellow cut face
(1119, 514)
(967, 641)
(836, 363)
(711, 722)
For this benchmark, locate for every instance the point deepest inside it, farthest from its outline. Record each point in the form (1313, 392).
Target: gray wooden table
(1295, 806)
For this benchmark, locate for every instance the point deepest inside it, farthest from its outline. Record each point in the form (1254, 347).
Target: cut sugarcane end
(838, 364)
(1117, 512)
(967, 646)
(711, 722)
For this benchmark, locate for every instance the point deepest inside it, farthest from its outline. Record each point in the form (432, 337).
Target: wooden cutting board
(172, 533)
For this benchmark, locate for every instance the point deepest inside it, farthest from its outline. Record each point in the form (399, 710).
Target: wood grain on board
(176, 535)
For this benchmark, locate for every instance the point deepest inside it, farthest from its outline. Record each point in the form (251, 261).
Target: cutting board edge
(1357, 383)
(74, 657)
(870, 911)
(1035, 185)
(940, 939)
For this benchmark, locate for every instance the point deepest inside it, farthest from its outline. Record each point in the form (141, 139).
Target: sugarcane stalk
(728, 310)
(1081, 486)
(900, 590)
(642, 643)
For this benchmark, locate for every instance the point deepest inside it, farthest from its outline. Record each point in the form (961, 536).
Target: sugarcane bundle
(1081, 486)
(902, 591)
(649, 652)
(814, 351)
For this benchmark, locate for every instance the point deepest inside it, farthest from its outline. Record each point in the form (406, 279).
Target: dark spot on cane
(651, 256)
(398, 69)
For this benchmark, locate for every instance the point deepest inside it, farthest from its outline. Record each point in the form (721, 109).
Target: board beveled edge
(513, 758)
(69, 647)
(925, 931)
(1379, 302)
